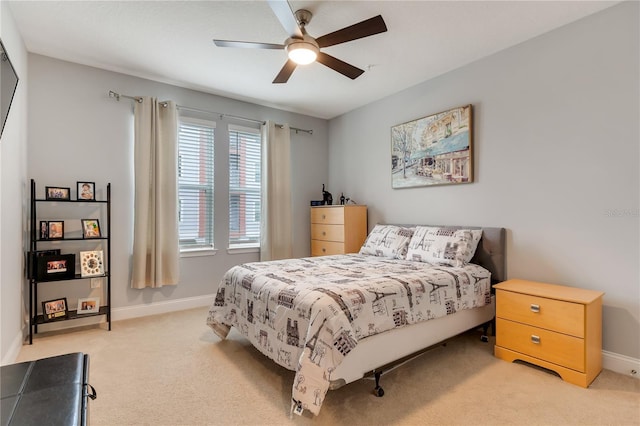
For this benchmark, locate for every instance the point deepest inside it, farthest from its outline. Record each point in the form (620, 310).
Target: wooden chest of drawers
(337, 229)
(552, 326)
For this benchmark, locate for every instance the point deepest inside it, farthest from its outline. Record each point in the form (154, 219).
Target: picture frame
(55, 309)
(91, 263)
(57, 193)
(88, 305)
(86, 191)
(55, 267)
(91, 228)
(55, 230)
(44, 230)
(32, 260)
(433, 150)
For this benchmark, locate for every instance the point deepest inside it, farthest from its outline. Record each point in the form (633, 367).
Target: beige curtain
(155, 225)
(276, 218)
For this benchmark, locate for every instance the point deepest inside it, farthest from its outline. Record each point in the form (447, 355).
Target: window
(244, 187)
(195, 183)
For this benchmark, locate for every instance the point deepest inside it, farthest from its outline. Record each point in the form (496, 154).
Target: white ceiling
(171, 42)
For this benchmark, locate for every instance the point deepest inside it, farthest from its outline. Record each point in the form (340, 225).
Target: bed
(336, 319)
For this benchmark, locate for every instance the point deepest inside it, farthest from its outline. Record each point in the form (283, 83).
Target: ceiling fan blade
(247, 44)
(285, 15)
(362, 29)
(340, 66)
(285, 72)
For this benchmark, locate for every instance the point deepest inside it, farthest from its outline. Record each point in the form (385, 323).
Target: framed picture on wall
(433, 150)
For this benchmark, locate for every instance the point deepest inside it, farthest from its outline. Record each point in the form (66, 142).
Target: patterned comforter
(307, 314)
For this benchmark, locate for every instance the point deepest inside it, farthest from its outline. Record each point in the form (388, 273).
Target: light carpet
(171, 369)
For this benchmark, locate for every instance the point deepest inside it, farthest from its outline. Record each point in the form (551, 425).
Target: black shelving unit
(36, 243)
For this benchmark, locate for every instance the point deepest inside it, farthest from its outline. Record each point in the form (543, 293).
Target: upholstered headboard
(491, 252)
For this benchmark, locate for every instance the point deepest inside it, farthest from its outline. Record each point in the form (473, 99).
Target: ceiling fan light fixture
(302, 52)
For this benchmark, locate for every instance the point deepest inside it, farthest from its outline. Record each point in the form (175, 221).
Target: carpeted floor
(172, 370)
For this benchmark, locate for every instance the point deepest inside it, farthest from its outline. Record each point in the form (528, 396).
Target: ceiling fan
(303, 49)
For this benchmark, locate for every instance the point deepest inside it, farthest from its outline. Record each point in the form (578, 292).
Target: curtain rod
(117, 96)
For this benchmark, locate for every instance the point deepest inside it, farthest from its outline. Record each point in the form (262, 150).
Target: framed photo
(434, 150)
(91, 263)
(52, 267)
(89, 305)
(32, 260)
(44, 230)
(86, 191)
(55, 229)
(54, 309)
(90, 228)
(57, 193)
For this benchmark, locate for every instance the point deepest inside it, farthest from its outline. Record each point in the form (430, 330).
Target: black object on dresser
(52, 391)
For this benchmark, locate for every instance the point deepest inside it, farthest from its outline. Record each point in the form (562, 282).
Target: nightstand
(338, 229)
(552, 326)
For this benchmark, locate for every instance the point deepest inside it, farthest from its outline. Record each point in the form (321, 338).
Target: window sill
(243, 250)
(198, 252)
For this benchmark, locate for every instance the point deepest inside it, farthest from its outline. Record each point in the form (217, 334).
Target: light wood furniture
(552, 326)
(338, 229)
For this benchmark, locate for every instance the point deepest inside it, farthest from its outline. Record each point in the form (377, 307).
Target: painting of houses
(434, 150)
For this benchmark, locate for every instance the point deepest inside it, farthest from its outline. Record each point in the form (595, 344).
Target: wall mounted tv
(8, 84)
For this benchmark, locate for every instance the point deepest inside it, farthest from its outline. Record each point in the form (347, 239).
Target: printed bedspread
(308, 314)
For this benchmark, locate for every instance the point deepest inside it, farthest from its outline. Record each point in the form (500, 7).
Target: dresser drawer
(325, 248)
(331, 215)
(557, 348)
(327, 232)
(550, 314)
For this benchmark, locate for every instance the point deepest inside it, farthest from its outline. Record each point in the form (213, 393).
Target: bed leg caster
(484, 338)
(378, 391)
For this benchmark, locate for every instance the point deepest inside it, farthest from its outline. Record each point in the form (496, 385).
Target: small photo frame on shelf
(91, 228)
(57, 193)
(54, 309)
(55, 267)
(32, 260)
(86, 191)
(89, 305)
(55, 229)
(44, 230)
(91, 263)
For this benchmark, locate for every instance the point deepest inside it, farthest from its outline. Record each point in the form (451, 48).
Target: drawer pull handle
(324, 233)
(535, 339)
(324, 217)
(535, 308)
(324, 249)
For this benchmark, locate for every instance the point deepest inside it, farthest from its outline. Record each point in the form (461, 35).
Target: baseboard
(14, 350)
(156, 308)
(621, 364)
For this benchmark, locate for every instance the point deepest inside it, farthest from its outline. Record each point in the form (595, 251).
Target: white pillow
(387, 241)
(450, 246)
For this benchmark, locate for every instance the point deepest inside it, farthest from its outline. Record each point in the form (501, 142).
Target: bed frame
(383, 352)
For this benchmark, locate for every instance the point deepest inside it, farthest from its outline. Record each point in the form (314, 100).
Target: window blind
(195, 183)
(244, 186)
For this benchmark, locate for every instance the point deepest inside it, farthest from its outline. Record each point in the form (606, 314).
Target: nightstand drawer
(550, 314)
(327, 232)
(557, 348)
(325, 248)
(333, 215)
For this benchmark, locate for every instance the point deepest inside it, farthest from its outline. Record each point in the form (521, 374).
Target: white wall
(78, 133)
(556, 160)
(13, 202)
